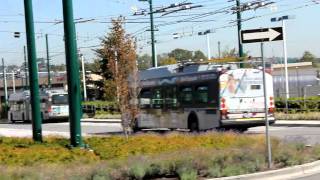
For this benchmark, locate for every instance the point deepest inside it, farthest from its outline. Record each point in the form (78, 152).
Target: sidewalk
(101, 120)
(306, 123)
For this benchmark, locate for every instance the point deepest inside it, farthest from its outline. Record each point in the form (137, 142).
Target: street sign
(261, 35)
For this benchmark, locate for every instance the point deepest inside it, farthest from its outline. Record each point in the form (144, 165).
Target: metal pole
(239, 34)
(152, 35)
(155, 54)
(48, 62)
(285, 59)
(33, 71)
(208, 46)
(219, 49)
(26, 66)
(266, 108)
(13, 83)
(72, 74)
(84, 79)
(5, 88)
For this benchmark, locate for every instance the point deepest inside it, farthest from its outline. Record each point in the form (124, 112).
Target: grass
(147, 156)
(298, 116)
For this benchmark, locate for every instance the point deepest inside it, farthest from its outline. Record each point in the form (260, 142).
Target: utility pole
(5, 88)
(26, 66)
(84, 78)
(239, 29)
(219, 49)
(48, 62)
(152, 35)
(72, 74)
(33, 71)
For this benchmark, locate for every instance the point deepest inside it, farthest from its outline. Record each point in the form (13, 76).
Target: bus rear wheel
(11, 118)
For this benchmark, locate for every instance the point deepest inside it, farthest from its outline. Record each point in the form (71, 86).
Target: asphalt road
(307, 135)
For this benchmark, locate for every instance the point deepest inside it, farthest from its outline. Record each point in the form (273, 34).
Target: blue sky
(302, 32)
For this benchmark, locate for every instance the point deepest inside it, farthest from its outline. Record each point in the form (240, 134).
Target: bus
(53, 105)
(199, 97)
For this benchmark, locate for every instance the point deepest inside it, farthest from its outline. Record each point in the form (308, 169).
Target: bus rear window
(60, 99)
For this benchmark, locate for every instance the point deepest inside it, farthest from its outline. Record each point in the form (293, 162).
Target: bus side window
(201, 95)
(186, 95)
(145, 99)
(157, 99)
(171, 97)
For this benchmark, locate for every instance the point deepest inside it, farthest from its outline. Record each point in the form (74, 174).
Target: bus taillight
(49, 109)
(271, 105)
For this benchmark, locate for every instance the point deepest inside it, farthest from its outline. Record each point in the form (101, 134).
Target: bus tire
(11, 118)
(193, 124)
(23, 118)
(135, 127)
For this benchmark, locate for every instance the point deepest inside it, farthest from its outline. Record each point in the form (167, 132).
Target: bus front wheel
(193, 123)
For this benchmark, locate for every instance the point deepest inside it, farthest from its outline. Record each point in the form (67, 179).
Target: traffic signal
(17, 34)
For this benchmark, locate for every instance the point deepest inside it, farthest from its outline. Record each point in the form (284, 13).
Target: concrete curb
(294, 172)
(92, 120)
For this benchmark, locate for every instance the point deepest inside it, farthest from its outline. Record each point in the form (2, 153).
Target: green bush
(298, 104)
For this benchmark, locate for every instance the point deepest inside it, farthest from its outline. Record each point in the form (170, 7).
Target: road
(307, 135)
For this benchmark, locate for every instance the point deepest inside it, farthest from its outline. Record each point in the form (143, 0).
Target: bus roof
(177, 70)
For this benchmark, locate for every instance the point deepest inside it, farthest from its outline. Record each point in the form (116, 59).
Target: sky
(302, 31)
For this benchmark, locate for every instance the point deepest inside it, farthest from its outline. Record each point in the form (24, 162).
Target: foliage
(167, 61)
(298, 104)
(183, 156)
(198, 55)
(309, 57)
(180, 54)
(144, 61)
(119, 58)
(297, 116)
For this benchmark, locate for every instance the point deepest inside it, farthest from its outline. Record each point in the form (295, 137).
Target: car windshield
(60, 99)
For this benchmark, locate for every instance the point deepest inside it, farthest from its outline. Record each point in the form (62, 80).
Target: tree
(119, 67)
(227, 53)
(198, 55)
(180, 54)
(167, 61)
(307, 57)
(144, 61)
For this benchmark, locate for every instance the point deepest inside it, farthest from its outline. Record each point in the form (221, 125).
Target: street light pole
(285, 59)
(72, 74)
(208, 46)
(33, 71)
(13, 83)
(84, 78)
(5, 87)
(48, 62)
(26, 66)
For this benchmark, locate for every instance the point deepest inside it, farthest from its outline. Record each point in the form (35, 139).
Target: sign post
(263, 35)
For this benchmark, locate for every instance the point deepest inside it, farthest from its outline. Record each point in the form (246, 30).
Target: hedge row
(310, 104)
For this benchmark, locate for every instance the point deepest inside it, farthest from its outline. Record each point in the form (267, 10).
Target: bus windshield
(60, 99)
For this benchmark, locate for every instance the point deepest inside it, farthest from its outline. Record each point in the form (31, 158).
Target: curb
(297, 123)
(294, 172)
(92, 120)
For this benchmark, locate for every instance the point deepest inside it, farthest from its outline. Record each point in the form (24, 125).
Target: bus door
(170, 111)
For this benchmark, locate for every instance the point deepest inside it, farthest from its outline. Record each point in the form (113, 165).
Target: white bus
(53, 104)
(203, 96)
